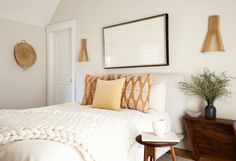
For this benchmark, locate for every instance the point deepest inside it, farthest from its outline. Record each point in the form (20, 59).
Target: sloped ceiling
(35, 12)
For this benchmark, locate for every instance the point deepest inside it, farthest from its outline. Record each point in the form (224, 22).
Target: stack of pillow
(117, 91)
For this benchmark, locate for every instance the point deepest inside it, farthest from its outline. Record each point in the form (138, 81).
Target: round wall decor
(25, 55)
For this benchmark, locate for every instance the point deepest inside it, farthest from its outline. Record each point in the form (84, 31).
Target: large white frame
(50, 29)
(137, 43)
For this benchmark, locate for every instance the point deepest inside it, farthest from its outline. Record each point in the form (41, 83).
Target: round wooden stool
(149, 148)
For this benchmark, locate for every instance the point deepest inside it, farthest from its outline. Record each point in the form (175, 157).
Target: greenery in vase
(208, 86)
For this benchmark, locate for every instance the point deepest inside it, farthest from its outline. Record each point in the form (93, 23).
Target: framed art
(138, 43)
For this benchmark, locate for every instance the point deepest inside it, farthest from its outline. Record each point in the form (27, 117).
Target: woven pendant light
(83, 55)
(213, 40)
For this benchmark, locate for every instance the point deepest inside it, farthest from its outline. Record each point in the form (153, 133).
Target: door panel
(62, 67)
(62, 54)
(62, 94)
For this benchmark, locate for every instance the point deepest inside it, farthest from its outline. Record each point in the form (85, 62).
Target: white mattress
(43, 150)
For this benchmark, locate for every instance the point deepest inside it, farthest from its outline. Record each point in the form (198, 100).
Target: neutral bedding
(45, 150)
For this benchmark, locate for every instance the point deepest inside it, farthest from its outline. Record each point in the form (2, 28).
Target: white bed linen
(42, 150)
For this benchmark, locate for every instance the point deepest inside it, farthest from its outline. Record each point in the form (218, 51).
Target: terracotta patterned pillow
(90, 86)
(137, 92)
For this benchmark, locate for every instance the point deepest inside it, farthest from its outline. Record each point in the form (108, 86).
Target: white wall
(19, 88)
(188, 27)
(36, 12)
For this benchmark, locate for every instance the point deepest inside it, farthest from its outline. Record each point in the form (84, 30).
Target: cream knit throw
(97, 137)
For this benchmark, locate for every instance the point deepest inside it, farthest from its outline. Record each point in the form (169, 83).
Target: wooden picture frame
(139, 43)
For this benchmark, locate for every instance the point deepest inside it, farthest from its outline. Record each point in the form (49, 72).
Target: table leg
(149, 152)
(173, 153)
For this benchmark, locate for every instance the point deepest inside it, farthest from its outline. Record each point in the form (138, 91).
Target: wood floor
(188, 154)
(183, 153)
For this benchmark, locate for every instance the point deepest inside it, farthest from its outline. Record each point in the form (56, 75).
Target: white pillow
(157, 100)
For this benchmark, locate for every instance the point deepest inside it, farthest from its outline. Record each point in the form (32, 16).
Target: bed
(46, 150)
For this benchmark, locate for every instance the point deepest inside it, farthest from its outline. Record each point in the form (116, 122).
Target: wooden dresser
(212, 140)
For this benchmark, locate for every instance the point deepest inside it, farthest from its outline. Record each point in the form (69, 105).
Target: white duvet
(100, 134)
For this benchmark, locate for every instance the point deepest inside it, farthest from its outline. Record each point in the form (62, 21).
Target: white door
(61, 38)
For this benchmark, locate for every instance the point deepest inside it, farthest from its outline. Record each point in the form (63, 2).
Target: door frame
(50, 29)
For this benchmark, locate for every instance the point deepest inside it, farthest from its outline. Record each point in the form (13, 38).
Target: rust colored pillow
(136, 92)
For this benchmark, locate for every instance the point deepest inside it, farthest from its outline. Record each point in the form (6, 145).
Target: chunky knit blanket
(97, 137)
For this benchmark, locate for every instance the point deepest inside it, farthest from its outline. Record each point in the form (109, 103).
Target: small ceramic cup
(159, 127)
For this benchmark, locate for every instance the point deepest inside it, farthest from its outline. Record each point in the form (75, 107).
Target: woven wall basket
(25, 55)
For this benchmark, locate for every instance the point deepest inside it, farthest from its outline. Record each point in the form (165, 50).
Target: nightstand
(149, 148)
(214, 140)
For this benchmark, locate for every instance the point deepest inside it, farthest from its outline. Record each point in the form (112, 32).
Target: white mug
(159, 127)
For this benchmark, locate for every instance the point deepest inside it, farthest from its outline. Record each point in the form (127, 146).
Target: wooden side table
(211, 139)
(149, 148)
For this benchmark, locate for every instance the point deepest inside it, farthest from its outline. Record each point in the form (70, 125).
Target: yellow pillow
(90, 86)
(108, 94)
